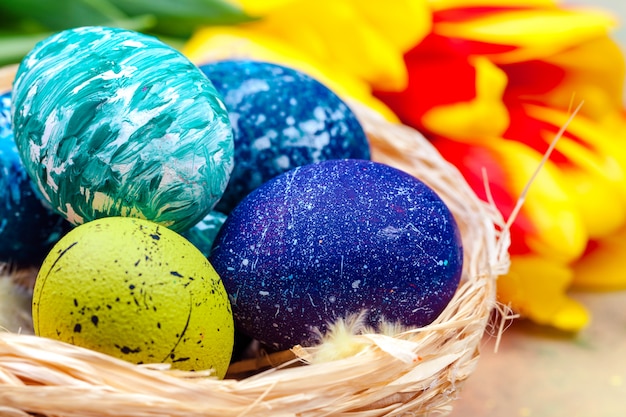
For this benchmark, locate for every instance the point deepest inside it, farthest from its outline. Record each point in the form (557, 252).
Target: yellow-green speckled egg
(138, 291)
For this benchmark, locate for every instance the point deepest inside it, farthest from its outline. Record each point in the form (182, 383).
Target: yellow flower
(350, 45)
(602, 259)
(491, 85)
(536, 287)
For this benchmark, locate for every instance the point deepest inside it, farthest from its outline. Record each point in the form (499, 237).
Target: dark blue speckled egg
(334, 238)
(28, 228)
(281, 119)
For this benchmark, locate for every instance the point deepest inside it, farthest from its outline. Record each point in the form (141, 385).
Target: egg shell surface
(203, 234)
(335, 238)
(135, 290)
(28, 228)
(281, 118)
(111, 122)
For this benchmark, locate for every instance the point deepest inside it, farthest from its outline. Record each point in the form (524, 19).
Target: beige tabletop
(538, 372)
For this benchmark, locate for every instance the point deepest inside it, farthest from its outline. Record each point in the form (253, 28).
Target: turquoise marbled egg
(110, 122)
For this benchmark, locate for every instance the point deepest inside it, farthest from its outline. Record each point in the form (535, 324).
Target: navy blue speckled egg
(28, 228)
(281, 119)
(334, 238)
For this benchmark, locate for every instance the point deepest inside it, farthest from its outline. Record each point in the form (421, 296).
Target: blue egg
(334, 238)
(28, 228)
(203, 234)
(281, 119)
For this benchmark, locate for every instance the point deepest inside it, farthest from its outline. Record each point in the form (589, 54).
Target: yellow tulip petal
(595, 174)
(595, 199)
(600, 149)
(602, 267)
(561, 232)
(571, 316)
(293, 24)
(359, 39)
(216, 43)
(221, 42)
(335, 34)
(607, 138)
(403, 23)
(536, 288)
(594, 73)
(438, 5)
(260, 7)
(369, 56)
(486, 115)
(537, 33)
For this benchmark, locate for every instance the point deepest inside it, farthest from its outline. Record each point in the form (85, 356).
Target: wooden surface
(539, 372)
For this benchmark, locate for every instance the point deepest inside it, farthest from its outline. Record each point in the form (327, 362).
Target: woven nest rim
(419, 370)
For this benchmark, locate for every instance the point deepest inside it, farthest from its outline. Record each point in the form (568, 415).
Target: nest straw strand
(417, 372)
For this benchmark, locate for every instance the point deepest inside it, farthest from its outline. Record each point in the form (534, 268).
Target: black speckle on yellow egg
(126, 350)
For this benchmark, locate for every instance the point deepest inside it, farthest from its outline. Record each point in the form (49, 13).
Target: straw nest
(416, 372)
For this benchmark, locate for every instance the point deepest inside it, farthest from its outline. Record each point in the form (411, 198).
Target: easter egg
(203, 234)
(28, 228)
(110, 122)
(281, 119)
(136, 290)
(333, 239)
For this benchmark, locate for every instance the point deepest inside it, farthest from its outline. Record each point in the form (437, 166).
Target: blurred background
(616, 7)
